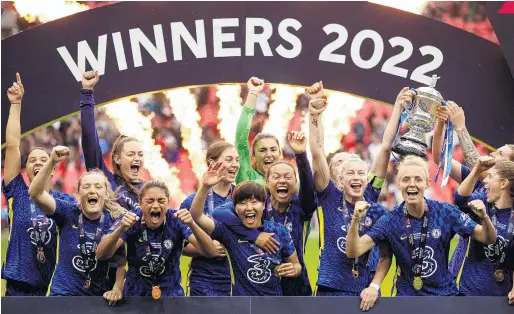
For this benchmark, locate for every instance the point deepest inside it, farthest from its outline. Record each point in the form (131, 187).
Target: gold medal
(417, 283)
(156, 292)
(498, 275)
(87, 284)
(355, 273)
(41, 256)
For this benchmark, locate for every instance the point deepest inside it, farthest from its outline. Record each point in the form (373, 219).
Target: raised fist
(89, 79)
(484, 163)
(16, 91)
(59, 153)
(297, 141)
(185, 216)
(128, 220)
(478, 207)
(255, 85)
(361, 207)
(316, 91)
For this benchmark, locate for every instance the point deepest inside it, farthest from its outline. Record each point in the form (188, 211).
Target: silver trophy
(421, 119)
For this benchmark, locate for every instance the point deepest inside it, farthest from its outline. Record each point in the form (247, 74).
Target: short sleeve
(328, 192)
(220, 231)
(63, 209)
(15, 187)
(378, 232)
(461, 223)
(287, 247)
(184, 229)
(186, 204)
(462, 201)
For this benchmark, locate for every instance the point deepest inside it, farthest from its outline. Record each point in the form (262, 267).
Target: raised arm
(112, 242)
(484, 232)
(442, 116)
(210, 178)
(90, 143)
(298, 144)
(12, 165)
(244, 124)
(355, 245)
(37, 192)
(317, 105)
(458, 119)
(379, 166)
(483, 164)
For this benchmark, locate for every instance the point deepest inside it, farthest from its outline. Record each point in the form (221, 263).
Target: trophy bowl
(421, 120)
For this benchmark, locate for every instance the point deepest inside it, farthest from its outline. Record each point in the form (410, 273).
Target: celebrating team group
(247, 225)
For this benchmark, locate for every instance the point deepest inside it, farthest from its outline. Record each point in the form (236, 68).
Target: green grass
(311, 259)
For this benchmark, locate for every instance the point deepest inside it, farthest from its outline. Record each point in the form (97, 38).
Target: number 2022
(389, 66)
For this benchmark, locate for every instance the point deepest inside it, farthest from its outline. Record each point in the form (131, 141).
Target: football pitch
(311, 259)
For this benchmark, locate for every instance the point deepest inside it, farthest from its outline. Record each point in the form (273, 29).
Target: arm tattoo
(322, 174)
(315, 121)
(471, 154)
(319, 140)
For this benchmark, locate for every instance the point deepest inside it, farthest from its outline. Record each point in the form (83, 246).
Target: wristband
(374, 285)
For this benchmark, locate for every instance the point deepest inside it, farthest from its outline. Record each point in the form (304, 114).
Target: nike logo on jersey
(403, 238)
(241, 241)
(74, 227)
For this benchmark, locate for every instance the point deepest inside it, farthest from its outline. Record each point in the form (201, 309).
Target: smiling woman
(127, 154)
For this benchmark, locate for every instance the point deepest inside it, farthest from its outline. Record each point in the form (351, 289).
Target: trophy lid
(430, 91)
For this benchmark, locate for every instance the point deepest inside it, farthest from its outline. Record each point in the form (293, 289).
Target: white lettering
(218, 37)
(292, 39)
(157, 51)
(262, 39)
(378, 49)
(84, 52)
(198, 47)
(120, 52)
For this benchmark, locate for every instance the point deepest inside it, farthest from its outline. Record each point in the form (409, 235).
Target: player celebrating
(487, 270)
(154, 235)
(211, 276)
(254, 272)
(283, 206)
(419, 232)
(265, 147)
(30, 259)
(127, 154)
(81, 227)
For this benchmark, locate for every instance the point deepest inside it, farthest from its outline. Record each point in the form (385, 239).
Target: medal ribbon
(422, 242)
(347, 221)
(508, 238)
(210, 200)
(89, 258)
(269, 211)
(39, 231)
(446, 154)
(154, 263)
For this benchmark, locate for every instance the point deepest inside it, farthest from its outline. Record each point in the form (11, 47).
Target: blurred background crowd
(178, 125)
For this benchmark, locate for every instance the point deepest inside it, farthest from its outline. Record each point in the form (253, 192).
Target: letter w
(84, 52)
